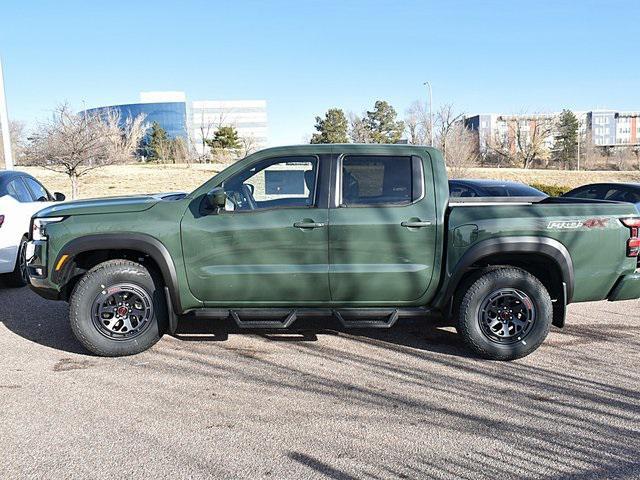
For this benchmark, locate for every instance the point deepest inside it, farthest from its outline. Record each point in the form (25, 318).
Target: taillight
(633, 244)
(1, 220)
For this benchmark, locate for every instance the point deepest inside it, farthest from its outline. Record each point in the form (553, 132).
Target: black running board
(283, 318)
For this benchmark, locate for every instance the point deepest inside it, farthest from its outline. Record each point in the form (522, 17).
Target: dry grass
(567, 178)
(132, 179)
(129, 179)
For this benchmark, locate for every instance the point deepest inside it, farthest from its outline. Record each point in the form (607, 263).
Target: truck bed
(578, 224)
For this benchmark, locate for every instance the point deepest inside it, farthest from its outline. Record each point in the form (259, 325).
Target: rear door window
(377, 180)
(595, 192)
(624, 195)
(461, 191)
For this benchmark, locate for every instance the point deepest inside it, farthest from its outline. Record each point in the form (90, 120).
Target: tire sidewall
(81, 310)
(469, 321)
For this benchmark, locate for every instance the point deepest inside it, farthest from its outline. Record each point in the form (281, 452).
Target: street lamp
(428, 84)
(4, 124)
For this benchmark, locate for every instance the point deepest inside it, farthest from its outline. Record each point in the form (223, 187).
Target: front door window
(287, 182)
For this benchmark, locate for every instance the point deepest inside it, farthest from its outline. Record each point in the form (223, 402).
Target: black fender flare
(139, 242)
(548, 247)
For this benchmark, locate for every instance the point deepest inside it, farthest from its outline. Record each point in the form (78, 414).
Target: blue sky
(304, 57)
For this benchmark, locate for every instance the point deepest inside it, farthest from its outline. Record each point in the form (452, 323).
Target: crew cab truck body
(364, 234)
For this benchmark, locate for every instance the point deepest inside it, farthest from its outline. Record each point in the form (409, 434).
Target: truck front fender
(138, 242)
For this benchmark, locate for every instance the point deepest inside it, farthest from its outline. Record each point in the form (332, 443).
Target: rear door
(382, 229)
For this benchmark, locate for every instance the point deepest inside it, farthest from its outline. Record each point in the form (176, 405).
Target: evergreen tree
(565, 143)
(332, 128)
(156, 144)
(225, 144)
(382, 124)
(225, 138)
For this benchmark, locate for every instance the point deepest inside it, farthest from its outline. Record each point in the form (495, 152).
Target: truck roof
(347, 147)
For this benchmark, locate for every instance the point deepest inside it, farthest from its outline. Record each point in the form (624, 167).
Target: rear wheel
(19, 277)
(505, 314)
(118, 309)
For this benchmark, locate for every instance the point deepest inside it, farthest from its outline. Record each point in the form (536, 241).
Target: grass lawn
(132, 179)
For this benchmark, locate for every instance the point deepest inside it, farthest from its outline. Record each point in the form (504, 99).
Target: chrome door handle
(415, 224)
(309, 224)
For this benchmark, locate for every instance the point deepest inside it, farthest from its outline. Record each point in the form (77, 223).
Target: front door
(269, 246)
(382, 234)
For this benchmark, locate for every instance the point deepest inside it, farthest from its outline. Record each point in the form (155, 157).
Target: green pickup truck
(303, 237)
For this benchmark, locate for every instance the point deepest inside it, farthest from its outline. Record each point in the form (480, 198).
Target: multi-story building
(199, 119)
(168, 110)
(248, 117)
(604, 128)
(615, 129)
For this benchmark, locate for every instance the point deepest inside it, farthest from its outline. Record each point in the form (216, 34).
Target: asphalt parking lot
(406, 403)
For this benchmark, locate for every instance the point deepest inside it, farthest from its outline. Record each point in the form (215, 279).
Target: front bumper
(37, 267)
(36, 255)
(626, 288)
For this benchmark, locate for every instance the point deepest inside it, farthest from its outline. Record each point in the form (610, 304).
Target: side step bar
(283, 318)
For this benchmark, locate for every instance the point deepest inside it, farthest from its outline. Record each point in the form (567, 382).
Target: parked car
(21, 196)
(491, 188)
(364, 234)
(618, 192)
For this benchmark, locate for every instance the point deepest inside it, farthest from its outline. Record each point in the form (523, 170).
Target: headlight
(39, 227)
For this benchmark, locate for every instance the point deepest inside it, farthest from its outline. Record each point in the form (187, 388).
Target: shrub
(551, 190)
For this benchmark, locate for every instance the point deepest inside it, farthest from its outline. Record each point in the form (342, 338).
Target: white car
(21, 196)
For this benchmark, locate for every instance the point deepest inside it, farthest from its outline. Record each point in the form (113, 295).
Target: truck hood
(136, 203)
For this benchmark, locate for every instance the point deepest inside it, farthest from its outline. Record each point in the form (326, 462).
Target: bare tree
(636, 156)
(458, 144)
(591, 156)
(417, 123)
(76, 144)
(358, 131)
(123, 136)
(180, 151)
(248, 145)
(461, 151)
(446, 119)
(525, 140)
(18, 141)
(207, 128)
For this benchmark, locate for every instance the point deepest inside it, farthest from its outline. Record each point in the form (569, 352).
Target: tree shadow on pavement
(422, 334)
(38, 320)
(46, 322)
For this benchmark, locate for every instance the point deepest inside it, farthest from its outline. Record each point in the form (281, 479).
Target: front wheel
(118, 309)
(505, 314)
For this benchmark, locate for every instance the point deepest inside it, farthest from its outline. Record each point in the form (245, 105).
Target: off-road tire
(95, 282)
(469, 314)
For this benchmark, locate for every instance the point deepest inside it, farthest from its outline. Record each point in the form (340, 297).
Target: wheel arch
(86, 252)
(546, 258)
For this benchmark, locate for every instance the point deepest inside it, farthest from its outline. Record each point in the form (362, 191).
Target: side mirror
(59, 197)
(215, 199)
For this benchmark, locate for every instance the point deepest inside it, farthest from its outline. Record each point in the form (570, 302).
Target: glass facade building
(172, 116)
(198, 120)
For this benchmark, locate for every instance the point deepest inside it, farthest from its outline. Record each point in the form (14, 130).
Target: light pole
(4, 123)
(579, 133)
(428, 84)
